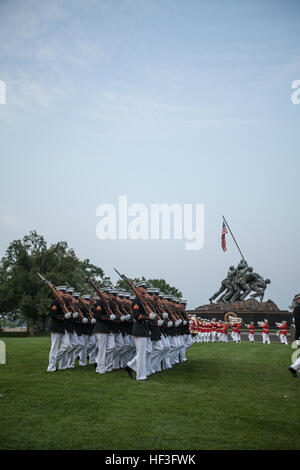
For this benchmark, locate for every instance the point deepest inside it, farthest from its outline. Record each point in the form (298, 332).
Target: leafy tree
(22, 293)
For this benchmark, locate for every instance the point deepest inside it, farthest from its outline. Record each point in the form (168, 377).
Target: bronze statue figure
(239, 283)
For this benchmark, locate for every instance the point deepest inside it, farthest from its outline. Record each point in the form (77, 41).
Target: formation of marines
(115, 331)
(145, 333)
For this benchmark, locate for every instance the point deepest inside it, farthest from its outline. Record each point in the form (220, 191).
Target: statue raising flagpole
(240, 281)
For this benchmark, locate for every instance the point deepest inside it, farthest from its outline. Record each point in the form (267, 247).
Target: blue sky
(165, 102)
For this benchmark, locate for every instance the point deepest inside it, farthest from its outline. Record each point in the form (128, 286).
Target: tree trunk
(30, 326)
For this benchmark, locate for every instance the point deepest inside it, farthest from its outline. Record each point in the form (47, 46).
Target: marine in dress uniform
(155, 333)
(283, 333)
(77, 343)
(117, 328)
(186, 335)
(166, 363)
(296, 318)
(166, 300)
(124, 302)
(59, 340)
(295, 367)
(87, 330)
(238, 333)
(69, 331)
(141, 334)
(103, 332)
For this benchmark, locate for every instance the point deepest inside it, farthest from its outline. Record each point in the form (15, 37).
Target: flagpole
(233, 238)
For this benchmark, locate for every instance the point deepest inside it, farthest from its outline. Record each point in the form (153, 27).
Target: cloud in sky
(123, 62)
(10, 221)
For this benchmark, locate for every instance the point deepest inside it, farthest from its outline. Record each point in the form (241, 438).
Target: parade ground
(226, 396)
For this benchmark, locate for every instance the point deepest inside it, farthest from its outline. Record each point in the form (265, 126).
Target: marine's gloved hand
(170, 323)
(68, 315)
(75, 314)
(112, 316)
(93, 321)
(152, 316)
(160, 322)
(165, 315)
(122, 318)
(84, 320)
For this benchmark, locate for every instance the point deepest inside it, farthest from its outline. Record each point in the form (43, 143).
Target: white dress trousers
(55, 355)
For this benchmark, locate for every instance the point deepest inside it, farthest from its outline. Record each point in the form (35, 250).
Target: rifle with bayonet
(101, 296)
(56, 295)
(138, 295)
(172, 314)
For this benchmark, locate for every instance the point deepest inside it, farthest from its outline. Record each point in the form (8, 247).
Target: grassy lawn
(227, 396)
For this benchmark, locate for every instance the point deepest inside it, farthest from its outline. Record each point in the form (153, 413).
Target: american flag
(224, 231)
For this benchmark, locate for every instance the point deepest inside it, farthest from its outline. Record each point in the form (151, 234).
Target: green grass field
(227, 396)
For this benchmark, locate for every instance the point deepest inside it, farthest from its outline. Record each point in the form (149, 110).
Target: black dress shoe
(292, 371)
(129, 371)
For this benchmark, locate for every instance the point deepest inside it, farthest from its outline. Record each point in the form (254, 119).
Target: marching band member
(283, 333)
(205, 331)
(208, 331)
(219, 331)
(265, 334)
(251, 332)
(213, 330)
(234, 326)
(225, 332)
(193, 327)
